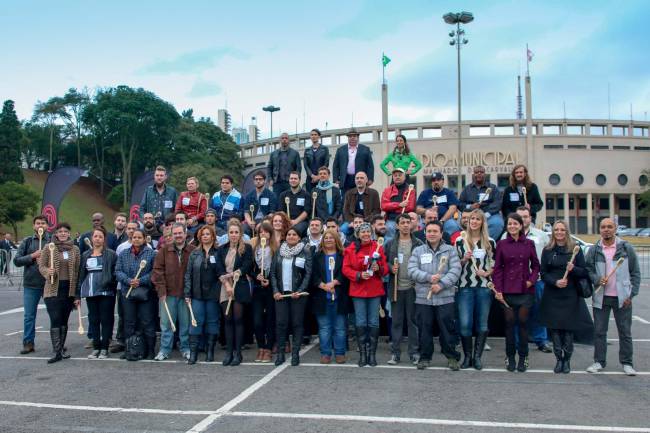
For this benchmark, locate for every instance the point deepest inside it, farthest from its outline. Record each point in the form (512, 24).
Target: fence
(643, 254)
(10, 274)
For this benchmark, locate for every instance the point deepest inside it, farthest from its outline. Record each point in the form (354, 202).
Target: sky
(321, 61)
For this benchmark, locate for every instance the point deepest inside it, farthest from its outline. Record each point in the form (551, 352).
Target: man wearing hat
(350, 160)
(396, 200)
(442, 200)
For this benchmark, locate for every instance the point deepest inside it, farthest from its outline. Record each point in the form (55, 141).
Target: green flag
(384, 60)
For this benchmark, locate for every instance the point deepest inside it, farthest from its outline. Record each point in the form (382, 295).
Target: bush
(116, 196)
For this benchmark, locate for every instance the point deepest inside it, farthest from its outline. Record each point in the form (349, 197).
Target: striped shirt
(483, 260)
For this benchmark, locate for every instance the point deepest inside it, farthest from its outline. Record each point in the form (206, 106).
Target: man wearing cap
(350, 160)
(442, 200)
(282, 162)
(315, 157)
(396, 200)
(475, 196)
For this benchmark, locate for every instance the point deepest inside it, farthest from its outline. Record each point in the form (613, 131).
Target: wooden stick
(52, 248)
(503, 301)
(235, 278)
(251, 208)
(332, 263)
(463, 235)
(382, 313)
(380, 242)
(148, 240)
(395, 263)
(263, 245)
(487, 194)
(523, 191)
(143, 264)
(286, 201)
(291, 294)
(408, 195)
(169, 316)
(40, 232)
(88, 243)
(194, 323)
(81, 329)
(314, 196)
(441, 267)
(619, 262)
(576, 250)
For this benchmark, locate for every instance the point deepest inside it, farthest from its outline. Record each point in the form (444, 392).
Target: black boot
(467, 352)
(194, 349)
(151, 348)
(295, 356)
(64, 334)
(557, 351)
(227, 360)
(568, 351)
(236, 358)
(511, 364)
(279, 357)
(522, 365)
(479, 345)
(372, 352)
(55, 336)
(209, 351)
(361, 342)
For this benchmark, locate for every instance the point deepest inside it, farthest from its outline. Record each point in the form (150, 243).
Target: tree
(36, 145)
(209, 177)
(49, 112)
(74, 103)
(17, 201)
(10, 142)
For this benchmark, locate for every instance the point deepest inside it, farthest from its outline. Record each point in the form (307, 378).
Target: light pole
(458, 39)
(271, 109)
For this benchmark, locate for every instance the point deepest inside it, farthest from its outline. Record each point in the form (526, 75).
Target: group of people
(338, 252)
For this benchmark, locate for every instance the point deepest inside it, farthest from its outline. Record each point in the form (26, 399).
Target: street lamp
(458, 39)
(271, 109)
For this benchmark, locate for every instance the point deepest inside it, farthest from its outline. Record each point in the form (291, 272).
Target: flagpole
(527, 61)
(383, 69)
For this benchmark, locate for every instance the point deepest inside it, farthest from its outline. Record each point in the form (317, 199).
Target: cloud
(193, 61)
(202, 88)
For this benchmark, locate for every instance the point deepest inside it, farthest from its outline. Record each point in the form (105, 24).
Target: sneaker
(94, 354)
(394, 360)
(522, 365)
(186, 355)
(596, 367)
(487, 347)
(103, 354)
(161, 356)
(545, 348)
(629, 370)
(452, 363)
(415, 359)
(423, 364)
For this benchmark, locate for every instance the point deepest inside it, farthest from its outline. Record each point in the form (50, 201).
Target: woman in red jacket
(365, 266)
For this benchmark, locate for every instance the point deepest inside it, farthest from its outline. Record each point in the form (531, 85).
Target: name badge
(365, 259)
(300, 202)
(92, 262)
(186, 201)
(228, 206)
(426, 259)
(300, 262)
(514, 196)
(264, 201)
(441, 199)
(212, 260)
(478, 253)
(361, 205)
(168, 204)
(65, 255)
(482, 196)
(400, 258)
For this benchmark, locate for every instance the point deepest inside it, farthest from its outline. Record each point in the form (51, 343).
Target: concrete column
(541, 215)
(590, 214)
(612, 211)
(633, 211)
(567, 211)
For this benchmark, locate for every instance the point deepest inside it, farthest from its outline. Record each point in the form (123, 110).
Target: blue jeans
(473, 309)
(366, 312)
(536, 331)
(181, 316)
(31, 297)
(451, 226)
(331, 328)
(207, 314)
(495, 225)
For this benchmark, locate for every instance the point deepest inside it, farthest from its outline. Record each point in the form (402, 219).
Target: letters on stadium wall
(447, 163)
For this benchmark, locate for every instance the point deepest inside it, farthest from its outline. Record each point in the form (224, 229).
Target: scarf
(288, 252)
(266, 251)
(63, 245)
(327, 187)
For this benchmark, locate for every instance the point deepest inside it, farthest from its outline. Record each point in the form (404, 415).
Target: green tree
(74, 102)
(209, 177)
(17, 201)
(11, 138)
(49, 113)
(36, 144)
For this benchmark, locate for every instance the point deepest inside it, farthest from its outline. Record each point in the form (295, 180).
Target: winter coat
(51, 289)
(515, 263)
(300, 273)
(108, 280)
(319, 298)
(243, 263)
(196, 265)
(168, 272)
(357, 259)
(424, 264)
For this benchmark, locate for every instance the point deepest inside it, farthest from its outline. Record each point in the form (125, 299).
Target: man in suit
(315, 157)
(282, 162)
(350, 160)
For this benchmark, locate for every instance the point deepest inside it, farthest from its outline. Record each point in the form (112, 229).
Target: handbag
(140, 293)
(585, 288)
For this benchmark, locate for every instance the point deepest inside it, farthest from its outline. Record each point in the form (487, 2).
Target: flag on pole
(384, 60)
(529, 54)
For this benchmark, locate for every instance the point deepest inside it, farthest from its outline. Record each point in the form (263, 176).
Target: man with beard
(159, 198)
(314, 235)
(151, 231)
(299, 203)
(314, 158)
(328, 199)
(282, 162)
(263, 201)
(475, 196)
(519, 186)
(120, 230)
(442, 200)
(361, 200)
(378, 224)
(430, 215)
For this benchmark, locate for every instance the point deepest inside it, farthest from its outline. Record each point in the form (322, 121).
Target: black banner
(57, 185)
(248, 185)
(141, 183)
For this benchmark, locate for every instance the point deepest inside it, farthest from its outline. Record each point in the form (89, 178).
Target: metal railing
(643, 254)
(10, 274)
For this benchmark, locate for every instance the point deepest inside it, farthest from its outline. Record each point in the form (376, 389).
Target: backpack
(134, 348)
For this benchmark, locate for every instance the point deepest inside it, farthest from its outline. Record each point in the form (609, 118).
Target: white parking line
(20, 310)
(640, 319)
(21, 331)
(104, 409)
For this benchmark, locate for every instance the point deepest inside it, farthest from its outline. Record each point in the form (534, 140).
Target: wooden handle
(291, 294)
(51, 248)
(194, 323)
(314, 196)
(81, 330)
(169, 316)
(523, 191)
(382, 313)
(408, 195)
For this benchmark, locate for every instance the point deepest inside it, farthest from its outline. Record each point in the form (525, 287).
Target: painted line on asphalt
(21, 331)
(104, 409)
(444, 422)
(204, 424)
(20, 310)
(640, 319)
(117, 359)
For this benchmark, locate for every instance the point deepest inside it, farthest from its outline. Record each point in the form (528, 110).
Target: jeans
(207, 314)
(473, 309)
(139, 315)
(101, 317)
(264, 317)
(623, 319)
(332, 329)
(290, 311)
(181, 316)
(401, 311)
(537, 332)
(31, 297)
(445, 316)
(495, 225)
(451, 226)
(366, 312)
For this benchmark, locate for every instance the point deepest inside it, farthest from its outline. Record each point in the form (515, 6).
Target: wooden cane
(40, 232)
(143, 264)
(263, 245)
(251, 208)
(463, 236)
(576, 250)
(487, 194)
(52, 248)
(148, 239)
(408, 195)
(382, 313)
(380, 243)
(395, 263)
(81, 330)
(523, 191)
(619, 262)
(291, 294)
(286, 201)
(332, 263)
(193, 319)
(503, 301)
(235, 278)
(441, 267)
(314, 196)
(169, 316)
(88, 243)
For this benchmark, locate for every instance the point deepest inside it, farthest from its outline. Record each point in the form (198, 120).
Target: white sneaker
(629, 370)
(94, 354)
(487, 347)
(595, 367)
(394, 360)
(103, 354)
(186, 355)
(161, 357)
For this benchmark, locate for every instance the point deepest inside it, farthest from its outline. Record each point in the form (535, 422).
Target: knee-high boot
(467, 352)
(194, 349)
(64, 335)
(567, 347)
(361, 342)
(55, 336)
(209, 351)
(479, 345)
(372, 351)
(556, 338)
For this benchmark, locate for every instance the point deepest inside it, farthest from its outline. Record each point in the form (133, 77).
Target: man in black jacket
(315, 157)
(350, 160)
(299, 203)
(33, 282)
(282, 162)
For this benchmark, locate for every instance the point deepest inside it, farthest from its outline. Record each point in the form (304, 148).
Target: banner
(140, 185)
(248, 185)
(57, 185)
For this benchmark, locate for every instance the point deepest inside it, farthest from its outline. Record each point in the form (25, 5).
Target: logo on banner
(50, 214)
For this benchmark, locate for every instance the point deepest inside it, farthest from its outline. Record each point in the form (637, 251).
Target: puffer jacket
(356, 261)
(424, 263)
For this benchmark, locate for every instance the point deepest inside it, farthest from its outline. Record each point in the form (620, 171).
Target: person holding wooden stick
(396, 199)
(620, 282)
(97, 284)
(297, 203)
(328, 201)
(290, 275)
(59, 265)
(474, 298)
(234, 257)
(398, 253)
(562, 309)
(481, 194)
(262, 302)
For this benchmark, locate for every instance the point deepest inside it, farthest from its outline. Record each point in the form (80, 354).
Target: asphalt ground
(81, 395)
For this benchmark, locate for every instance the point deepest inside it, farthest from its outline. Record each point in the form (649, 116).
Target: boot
(557, 351)
(27, 348)
(194, 349)
(295, 356)
(209, 351)
(511, 364)
(64, 334)
(372, 352)
(151, 348)
(55, 336)
(522, 365)
(568, 351)
(361, 341)
(467, 352)
(279, 358)
(479, 345)
(236, 358)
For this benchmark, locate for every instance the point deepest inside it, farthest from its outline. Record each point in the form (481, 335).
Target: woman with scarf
(140, 305)
(201, 291)
(60, 285)
(98, 285)
(290, 276)
(329, 202)
(263, 303)
(234, 258)
(401, 157)
(364, 264)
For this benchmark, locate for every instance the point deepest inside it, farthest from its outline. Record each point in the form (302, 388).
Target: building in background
(240, 135)
(223, 120)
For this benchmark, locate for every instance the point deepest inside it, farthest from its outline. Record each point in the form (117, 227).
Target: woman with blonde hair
(474, 298)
